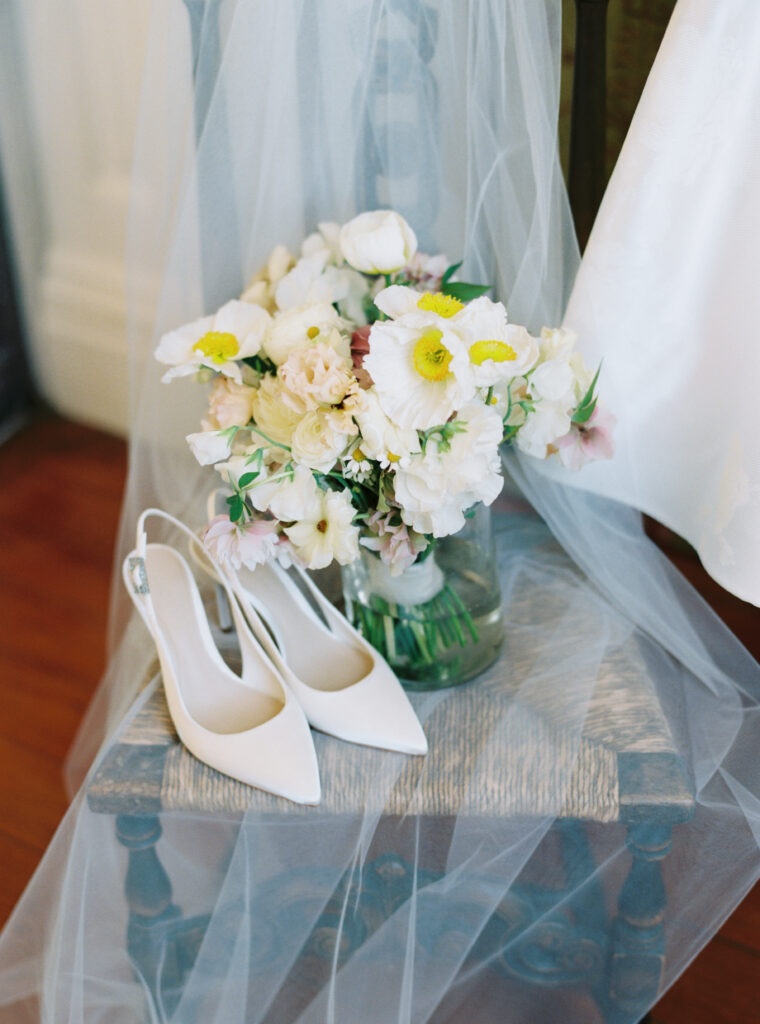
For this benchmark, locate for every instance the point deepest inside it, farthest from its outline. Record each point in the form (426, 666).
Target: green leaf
(589, 396)
(466, 292)
(237, 508)
(450, 272)
(247, 479)
(583, 413)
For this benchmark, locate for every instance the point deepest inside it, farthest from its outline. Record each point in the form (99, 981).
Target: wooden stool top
(562, 748)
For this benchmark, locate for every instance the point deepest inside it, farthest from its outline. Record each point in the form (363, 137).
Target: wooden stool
(616, 763)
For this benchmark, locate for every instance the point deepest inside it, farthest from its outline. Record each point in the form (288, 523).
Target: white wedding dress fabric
(666, 294)
(385, 911)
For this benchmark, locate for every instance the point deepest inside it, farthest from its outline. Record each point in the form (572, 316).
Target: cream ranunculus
(421, 370)
(377, 242)
(302, 327)
(328, 533)
(230, 405)
(271, 413)
(315, 443)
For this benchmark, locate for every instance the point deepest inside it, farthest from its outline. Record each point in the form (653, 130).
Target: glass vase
(439, 622)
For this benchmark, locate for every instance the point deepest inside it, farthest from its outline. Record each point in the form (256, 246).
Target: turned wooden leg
(638, 941)
(149, 898)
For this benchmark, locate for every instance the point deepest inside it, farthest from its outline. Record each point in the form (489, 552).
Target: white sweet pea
(381, 438)
(218, 342)
(289, 495)
(377, 242)
(328, 533)
(421, 371)
(436, 487)
(556, 343)
(301, 327)
(555, 382)
(545, 425)
(211, 446)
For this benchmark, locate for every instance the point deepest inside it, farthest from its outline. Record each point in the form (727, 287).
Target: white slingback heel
(249, 726)
(345, 687)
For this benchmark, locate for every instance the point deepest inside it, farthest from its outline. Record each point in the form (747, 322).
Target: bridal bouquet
(360, 394)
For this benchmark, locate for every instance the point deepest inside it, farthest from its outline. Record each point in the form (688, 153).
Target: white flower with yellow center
(304, 326)
(218, 342)
(421, 372)
(327, 533)
(498, 350)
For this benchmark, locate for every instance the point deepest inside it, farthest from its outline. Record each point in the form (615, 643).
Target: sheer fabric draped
(390, 910)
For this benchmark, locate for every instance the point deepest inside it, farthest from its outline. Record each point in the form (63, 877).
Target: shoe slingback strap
(136, 570)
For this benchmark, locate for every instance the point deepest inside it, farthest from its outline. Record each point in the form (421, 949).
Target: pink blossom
(586, 442)
(249, 544)
(396, 544)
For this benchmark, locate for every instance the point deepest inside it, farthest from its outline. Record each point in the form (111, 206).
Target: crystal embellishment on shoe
(137, 574)
(249, 726)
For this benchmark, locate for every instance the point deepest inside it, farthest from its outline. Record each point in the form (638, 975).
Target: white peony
(301, 327)
(315, 443)
(421, 370)
(377, 242)
(235, 332)
(328, 533)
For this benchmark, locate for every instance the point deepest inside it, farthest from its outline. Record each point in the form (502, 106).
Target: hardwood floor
(59, 508)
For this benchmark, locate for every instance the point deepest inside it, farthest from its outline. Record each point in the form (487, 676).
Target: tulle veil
(258, 121)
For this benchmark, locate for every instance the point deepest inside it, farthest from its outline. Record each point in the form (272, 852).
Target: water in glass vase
(438, 623)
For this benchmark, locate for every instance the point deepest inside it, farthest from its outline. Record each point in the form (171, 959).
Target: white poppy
(328, 533)
(377, 242)
(421, 373)
(218, 342)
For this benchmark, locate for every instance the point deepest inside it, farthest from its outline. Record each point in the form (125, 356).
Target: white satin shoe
(345, 687)
(250, 726)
